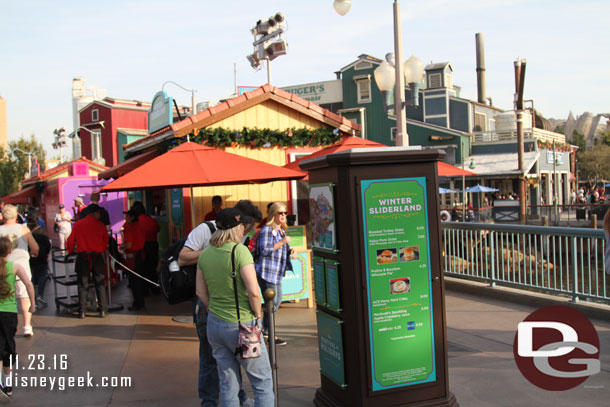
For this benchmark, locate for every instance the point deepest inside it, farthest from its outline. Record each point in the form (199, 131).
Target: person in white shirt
(63, 221)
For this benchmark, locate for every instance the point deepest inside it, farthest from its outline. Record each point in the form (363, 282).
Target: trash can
(580, 214)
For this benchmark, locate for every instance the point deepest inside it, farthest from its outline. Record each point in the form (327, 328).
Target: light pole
(268, 43)
(392, 73)
(60, 141)
(28, 153)
(193, 104)
(97, 141)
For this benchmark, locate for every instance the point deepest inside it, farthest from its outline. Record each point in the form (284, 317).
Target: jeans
(223, 336)
(39, 277)
(276, 300)
(207, 384)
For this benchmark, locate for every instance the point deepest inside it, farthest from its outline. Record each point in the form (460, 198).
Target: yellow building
(267, 108)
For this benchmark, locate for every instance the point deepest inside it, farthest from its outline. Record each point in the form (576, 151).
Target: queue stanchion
(269, 294)
(110, 306)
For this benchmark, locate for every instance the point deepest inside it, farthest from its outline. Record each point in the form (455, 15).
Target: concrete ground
(159, 356)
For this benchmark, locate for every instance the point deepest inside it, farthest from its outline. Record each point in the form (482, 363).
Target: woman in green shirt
(8, 313)
(215, 290)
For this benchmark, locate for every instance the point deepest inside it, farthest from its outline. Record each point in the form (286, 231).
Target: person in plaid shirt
(273, 248)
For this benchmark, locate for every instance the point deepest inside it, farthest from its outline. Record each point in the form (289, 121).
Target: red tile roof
(233, 106)
(62, 167)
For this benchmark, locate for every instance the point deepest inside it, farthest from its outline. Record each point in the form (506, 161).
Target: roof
(110, 103)
(240, 103)
(503, 164)
(133, 132)
(362, 57)
(439, 65)
(128, 165)
(21, 196)
(62, 167)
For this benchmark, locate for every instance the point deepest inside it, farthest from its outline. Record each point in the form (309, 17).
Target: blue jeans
(207, 384)
(223, 336)
(276, 300)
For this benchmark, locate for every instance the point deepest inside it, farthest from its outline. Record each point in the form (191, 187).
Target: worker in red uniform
(133, 238)
(89, 239)
(150, 227)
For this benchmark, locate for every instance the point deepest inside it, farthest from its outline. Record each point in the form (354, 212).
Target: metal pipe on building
(481, 87)
(519, 85)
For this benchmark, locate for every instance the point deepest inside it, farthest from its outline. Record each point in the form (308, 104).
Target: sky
(131, 47)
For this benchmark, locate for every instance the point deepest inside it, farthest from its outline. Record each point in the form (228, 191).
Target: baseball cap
(131, 212)
(61, 206)
(229, 218)
(79, 199)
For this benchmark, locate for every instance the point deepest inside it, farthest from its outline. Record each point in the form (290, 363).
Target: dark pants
(135, 282)
(8, 329)
(39, 277)
(151, 258)
(207, 383)
(87, 264)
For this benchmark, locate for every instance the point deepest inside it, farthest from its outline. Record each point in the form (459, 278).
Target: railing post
(269, 294)
(492, 282)
(574, 270)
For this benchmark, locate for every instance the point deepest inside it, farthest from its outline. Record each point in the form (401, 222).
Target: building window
(95, 115)
(96, 145)
(363, 84)
(363, 65)
(393, 134)
(479, 122)
(434, 81)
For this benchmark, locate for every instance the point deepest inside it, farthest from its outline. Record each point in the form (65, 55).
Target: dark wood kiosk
(378, 284)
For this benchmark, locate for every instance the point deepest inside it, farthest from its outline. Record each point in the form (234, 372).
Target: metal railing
(567, 261)
(539, 134)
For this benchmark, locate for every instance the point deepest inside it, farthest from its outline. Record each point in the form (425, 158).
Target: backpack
(178, 283)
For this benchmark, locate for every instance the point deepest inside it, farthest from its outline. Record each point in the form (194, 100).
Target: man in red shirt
(89, 239)
(133, 236)
(150, 227)
(216, 207)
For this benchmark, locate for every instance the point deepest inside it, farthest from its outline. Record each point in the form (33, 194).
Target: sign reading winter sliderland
(398, 275)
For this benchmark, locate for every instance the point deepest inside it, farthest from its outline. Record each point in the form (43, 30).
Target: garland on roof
(259, 138)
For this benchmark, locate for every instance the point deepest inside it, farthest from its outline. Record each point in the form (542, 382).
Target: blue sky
(131, 47)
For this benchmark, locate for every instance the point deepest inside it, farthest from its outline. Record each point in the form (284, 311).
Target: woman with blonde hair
(21, 239)
(227, 286)
(273, 256)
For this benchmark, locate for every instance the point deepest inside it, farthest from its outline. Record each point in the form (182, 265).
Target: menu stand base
(322, 399)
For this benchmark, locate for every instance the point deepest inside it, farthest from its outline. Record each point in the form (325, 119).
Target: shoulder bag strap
(235, 281)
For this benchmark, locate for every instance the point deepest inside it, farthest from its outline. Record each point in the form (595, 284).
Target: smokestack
(480, 68)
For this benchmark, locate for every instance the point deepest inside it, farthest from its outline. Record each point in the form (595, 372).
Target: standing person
(21, 238)
(79, 205)
(197, 240)
(63, 221)
(104, 215)
(9, 272)
(215, 290)
(39, 265)
(133, 238)
(150, 228)
(273, 252)
(216, 207)
(89, 239)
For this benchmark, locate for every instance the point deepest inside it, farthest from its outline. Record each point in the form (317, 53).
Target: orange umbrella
(448, 170)
(192, 164)
(345, 144)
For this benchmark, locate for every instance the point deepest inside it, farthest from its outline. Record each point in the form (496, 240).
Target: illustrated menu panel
(398, 279)
(330, 346)
(322, 211)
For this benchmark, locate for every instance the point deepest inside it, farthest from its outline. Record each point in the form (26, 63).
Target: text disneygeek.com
(63, 382)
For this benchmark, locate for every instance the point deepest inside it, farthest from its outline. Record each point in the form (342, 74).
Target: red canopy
(448, 170)
(345, 144)
(192, 164)
(21, 196)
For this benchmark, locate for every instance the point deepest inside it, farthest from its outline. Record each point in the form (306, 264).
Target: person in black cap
(104, 215)
(90, 239)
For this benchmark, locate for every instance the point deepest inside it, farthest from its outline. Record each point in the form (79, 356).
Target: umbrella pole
(192, 210)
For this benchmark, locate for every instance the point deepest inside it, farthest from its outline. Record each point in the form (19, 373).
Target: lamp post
(392, 73)
(193, 103)
(75, 133)
(268, 43)
(28, 153)
(60, 141)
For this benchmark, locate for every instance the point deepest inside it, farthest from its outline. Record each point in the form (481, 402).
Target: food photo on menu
(385, 256)
(400, 285)
(409, 253)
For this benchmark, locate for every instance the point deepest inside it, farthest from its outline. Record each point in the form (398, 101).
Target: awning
(21, 197)
(448, 170)
(505, 164)
(128, 165)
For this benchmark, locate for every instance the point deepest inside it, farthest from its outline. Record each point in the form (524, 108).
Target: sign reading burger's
(398, 282)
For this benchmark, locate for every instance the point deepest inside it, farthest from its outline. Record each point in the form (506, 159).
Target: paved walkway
(160, 357)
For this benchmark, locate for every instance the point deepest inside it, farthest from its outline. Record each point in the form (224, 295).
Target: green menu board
(297, 237)
(401, 330)
(319, 280)
(330, 347)
(333, 301)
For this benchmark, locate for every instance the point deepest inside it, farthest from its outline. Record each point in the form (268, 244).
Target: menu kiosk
(379, 288)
